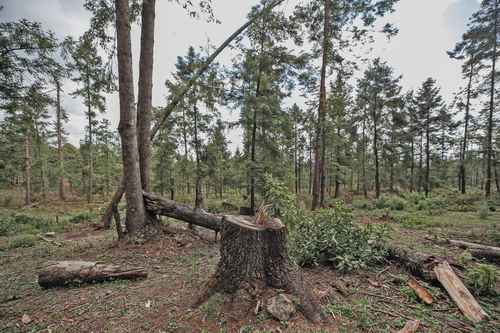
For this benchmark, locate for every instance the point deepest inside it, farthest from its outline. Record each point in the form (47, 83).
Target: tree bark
(144, 98)
(427, 152)
(28, 156)
(320, 127)
(135, 217)
(60, 147)
(489, 142)
(77, 272)
(156, 205)
(251, 252)
(90, 161)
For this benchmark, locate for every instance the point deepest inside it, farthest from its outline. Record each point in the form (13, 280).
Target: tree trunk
(427, 152)
(76, 272)
(320, 127)
(489, 142)
(60, 147)
(135, 217)
(363, 159)
(90, 161)
(466, 131)
(199, 178)
(159, 206)
(28, 156)
(375, 152)
(106, 219)
(144, 98)
(251, 252)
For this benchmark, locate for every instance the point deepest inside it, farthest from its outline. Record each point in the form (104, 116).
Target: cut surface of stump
(63, 273)
(257, 252)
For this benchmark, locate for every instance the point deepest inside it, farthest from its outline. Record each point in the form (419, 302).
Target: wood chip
(421, 292)
(410, 327)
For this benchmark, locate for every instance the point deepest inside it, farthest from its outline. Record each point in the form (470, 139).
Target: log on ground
(257, 252)
(479, 251)
(65, 273)
(459, 293)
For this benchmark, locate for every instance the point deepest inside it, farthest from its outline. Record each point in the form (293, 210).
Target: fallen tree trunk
(71, 272)
(489, 253)
(459, 293)
(252, 252)
(159, 206)
(416, 263)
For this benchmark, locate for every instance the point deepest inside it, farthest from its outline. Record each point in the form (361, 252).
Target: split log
(68, 272)
(421, 292)
(410, 327)
(459, 293)
(156, 205)
(253, 252)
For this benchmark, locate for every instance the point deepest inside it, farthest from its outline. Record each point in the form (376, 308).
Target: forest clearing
(256, 167)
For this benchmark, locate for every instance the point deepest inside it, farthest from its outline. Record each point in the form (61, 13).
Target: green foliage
(391, 202)
(363, 204)
(22, 241)
(330, 235)
(465, 257)
(284, 202)
(434, 203)
(22, 223)
(327, 235)
(414, 197)
(484, 210)
(81, 217)
(483, 278)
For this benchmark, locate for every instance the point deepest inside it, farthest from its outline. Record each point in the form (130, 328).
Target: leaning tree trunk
(250, 252)
(106, 218)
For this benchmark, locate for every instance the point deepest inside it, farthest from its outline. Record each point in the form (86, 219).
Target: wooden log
(71, 272)
(410, 327)
(459, 293)
(421, 292)
(489, 253)
(156, 205)
(252, 252)
(417, 263)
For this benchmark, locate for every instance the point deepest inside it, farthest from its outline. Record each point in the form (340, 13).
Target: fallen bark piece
(281, 307)
(410, 327)
(459, 293)
(421, 292)
(67, 272)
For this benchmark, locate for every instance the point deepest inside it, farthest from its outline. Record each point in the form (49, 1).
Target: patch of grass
(22, 241)
(483, 279)
(81, 217)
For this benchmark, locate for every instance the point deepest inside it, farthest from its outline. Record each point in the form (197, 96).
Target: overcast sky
(427, 29)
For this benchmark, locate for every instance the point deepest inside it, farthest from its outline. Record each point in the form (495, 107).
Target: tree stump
(252, 252)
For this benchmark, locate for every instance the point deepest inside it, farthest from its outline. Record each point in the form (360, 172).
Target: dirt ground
(180, 263)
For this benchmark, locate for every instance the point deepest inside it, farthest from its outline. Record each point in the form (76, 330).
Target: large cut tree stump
(70, 272)
(257, 252)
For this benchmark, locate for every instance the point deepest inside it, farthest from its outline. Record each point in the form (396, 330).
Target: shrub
(432, 203)
(391, 202)
(483, 278)
(413, 221)
(414, 197)
(362, 204)
(484, 210)
(82, 217)
(329, 235)
(22, 241)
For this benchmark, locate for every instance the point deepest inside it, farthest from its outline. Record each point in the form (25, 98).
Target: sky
(427, 29)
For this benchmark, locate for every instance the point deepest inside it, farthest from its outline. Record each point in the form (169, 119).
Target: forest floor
(179, 263)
